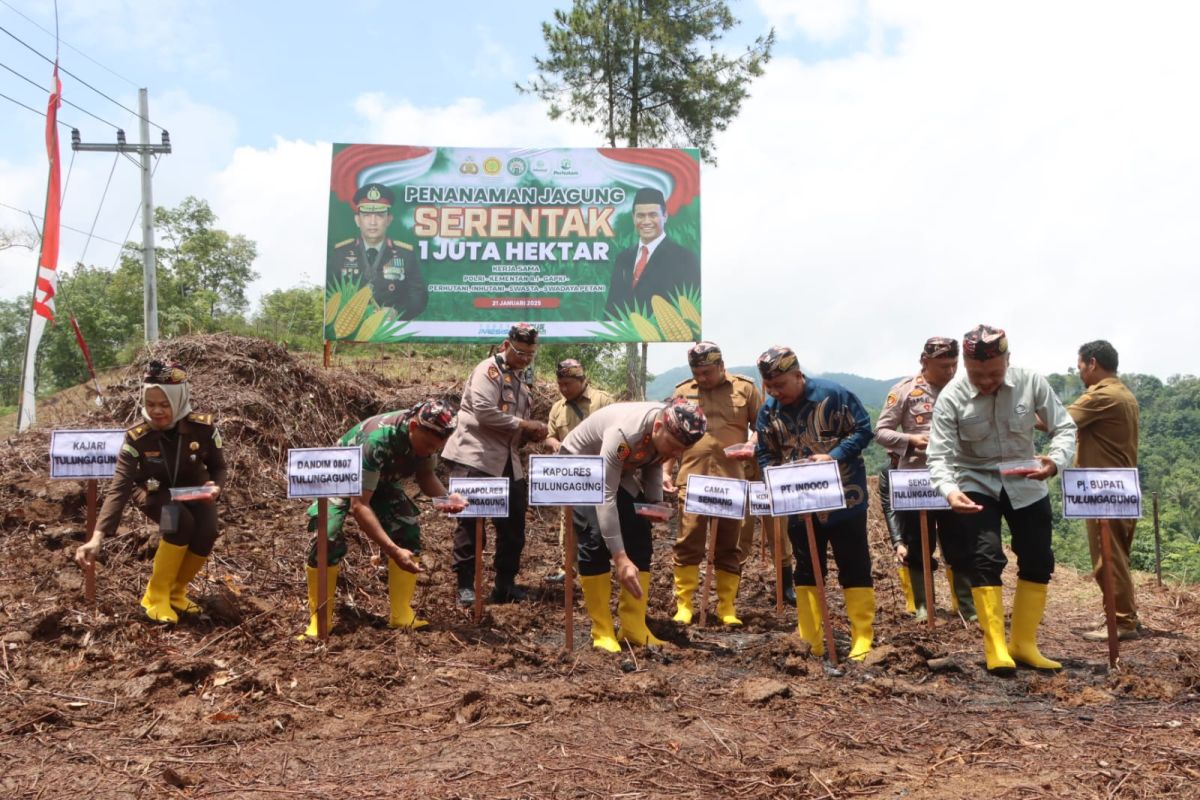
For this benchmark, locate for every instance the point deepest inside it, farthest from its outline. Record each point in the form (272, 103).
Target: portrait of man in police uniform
(391, 268)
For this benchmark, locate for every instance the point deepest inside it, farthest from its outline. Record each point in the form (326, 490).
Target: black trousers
(594, 558)
(1030, 527)
(197, 526)
(510, 532)
(945, 531)
(848, 539)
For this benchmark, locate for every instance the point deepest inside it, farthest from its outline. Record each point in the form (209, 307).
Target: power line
(133, 221)
(63, 69)
(76, 49)
(64, 227)
(32, 82)
(34, 110)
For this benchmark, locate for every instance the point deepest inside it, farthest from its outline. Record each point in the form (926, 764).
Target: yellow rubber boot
(727, 588)
(157, 599)
(950, 582)
(910, 603)
(860, 608)
(687, 581)
(632, 613)
(401, 585)
(989, 605)
(192, 564)
(1028, 607)
(597, 596)
(331, 586)
(808, 619)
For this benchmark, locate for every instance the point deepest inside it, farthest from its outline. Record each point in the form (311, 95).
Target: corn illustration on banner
(454, 244)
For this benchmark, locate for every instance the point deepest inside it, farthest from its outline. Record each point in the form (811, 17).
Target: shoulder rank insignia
(343, 243)
(891, 399)
(916, 393)
(138, 431)
(684, 382)
(203, 419)
(737, 377)
(623, 451)
(493, 372)
(403, 245)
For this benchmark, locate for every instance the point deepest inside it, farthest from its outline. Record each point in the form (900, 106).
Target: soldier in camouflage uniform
(395, 446)
(173, 448)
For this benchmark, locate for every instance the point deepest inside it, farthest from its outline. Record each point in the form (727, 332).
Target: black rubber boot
(789, 586)
(507, 591)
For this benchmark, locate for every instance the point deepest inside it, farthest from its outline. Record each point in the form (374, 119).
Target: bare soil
(99, 702)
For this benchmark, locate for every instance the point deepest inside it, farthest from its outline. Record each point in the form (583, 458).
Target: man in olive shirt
(730, 404)
(579, 399)
(1107, 417)
(981, 420)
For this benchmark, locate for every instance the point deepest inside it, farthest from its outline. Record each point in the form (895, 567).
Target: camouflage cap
(685, 421)
(777, 360)
(940, 347)
(569, 368)
(437, 414)
(523, 332)
(374, 198)
(165, 372)
(702, 354)
(983, 342)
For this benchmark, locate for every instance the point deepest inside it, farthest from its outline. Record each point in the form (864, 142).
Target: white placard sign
(488, 497)
(760, 499)
(716, 497)
(912, 490)
(1101, 494)
(805, 488)
(325, 472)
(566, 480)
(85, 455)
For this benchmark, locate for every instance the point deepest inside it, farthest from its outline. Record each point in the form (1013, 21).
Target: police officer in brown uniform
(391, 268)
(579, 399)
(634, 439)
(494, 420)
(730, 404)
(173, 448)
(903, 430)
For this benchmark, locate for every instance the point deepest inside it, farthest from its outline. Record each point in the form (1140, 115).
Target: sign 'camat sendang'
(457, 244)
(715, 497)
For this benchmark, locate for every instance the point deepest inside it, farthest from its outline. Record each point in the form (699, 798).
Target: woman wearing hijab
(174, 447)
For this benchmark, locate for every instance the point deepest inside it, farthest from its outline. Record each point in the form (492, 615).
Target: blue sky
(905, 168)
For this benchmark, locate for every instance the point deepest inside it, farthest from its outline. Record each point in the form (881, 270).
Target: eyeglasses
(522, 353)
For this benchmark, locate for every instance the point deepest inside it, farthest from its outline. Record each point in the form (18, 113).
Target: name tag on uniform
(912, 490)
(716, 497)
(805, 488)
(1101, 494)
(488, 497)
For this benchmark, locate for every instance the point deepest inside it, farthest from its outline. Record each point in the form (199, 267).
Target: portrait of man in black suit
(655, 265)
(390, 267)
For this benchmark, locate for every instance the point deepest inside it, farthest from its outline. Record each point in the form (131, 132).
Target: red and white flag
(47, 278)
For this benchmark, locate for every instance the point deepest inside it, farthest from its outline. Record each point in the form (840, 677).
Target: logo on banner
(491, 165)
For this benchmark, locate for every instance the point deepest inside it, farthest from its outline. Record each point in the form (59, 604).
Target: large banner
(457, 244)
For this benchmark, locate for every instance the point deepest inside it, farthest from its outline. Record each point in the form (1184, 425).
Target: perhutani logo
(564, 169)
(469, 167)
(517, 166)
(491, 165)
(539, 167)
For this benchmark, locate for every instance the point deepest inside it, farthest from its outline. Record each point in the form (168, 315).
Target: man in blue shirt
(809, 419)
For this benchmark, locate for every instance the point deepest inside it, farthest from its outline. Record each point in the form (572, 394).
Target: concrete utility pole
(144, 149)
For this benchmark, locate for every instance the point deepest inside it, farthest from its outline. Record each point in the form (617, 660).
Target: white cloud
(492, 58)
(821, 20)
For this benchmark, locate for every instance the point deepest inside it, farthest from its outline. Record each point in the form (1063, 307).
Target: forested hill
(871, 391)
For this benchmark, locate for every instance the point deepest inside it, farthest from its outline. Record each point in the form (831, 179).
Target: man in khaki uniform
(903, 430)
(1107, 418)
(493, 422)
(730, 403)
(634, 439)
(579, 399)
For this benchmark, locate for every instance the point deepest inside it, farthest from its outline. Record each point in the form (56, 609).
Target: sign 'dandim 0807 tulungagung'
(457, 244)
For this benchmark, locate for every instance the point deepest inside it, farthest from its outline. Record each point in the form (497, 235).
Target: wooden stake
(327, 360)
(927, 561)
(708, 569)
(89, 572)
(777, 540)
(569, 581)
(1157, 542)
(323, 598)
(478, 615)
(819, 579)
(1110, 597)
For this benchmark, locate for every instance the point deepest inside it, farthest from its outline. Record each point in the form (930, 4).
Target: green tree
(646, 73)
(14, 326)
(292, 317)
